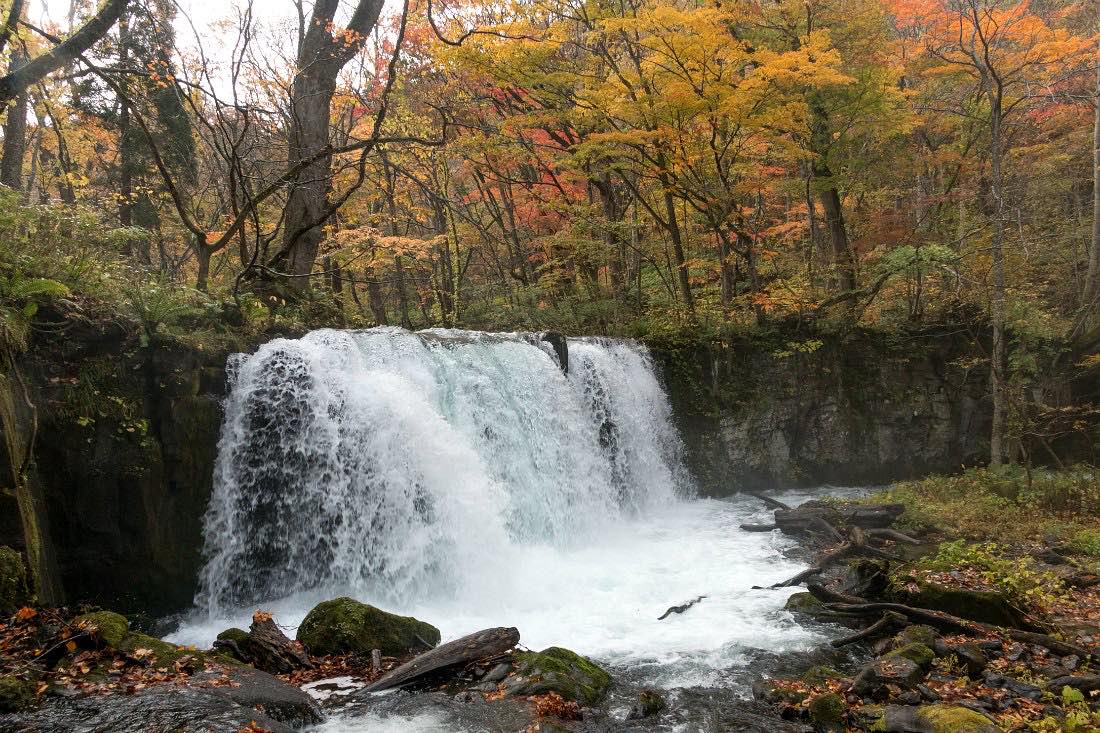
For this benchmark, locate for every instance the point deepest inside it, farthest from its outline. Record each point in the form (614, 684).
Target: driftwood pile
(266, 647)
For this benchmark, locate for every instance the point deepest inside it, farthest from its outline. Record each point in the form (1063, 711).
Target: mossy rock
(233, 634)
(986, 607)
(559, 670)
(805, 604)
(922, 655)
(940, 718)
(14, 592)
(827, 711)
(346, 626)
(165, 653)
(819, 674)
(15, 694)
(916, 634)
(106, 627)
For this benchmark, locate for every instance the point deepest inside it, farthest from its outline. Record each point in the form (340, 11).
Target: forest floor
(981, 606)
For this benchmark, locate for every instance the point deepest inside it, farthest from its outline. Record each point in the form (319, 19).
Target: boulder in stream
(346, 626)
(561, 671)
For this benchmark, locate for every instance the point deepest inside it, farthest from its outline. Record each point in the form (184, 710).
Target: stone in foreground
(346, 626)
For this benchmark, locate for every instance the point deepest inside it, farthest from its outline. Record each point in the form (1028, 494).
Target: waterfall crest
(404, 465)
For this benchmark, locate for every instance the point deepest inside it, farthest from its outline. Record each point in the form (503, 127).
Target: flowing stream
(467, 479)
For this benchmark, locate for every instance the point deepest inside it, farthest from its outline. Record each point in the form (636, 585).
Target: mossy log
(867, 516)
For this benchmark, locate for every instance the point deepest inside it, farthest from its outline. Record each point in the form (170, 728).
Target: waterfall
(399, 465)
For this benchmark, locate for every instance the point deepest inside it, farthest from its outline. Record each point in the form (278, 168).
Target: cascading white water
(403, 466)
(464, 479)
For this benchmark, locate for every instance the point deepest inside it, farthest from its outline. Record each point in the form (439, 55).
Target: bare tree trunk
(838, 235)
(680, 259)
(1092, 277)
(321, 56)
(997, 306)
(15, 132)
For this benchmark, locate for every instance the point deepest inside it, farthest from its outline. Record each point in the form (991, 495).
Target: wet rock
(650, 703)
(827, 712)
(971, 657)
(873, 679)
(1020, 689)
(1084, 683)
(106, 628)
(928, 693)
(1015, 651)
(14, 592)
(909, 697)
(455, 713)
(558, 670)
(497, 673)
(161, 708)
(806, 605)
(15, 694)
(344, 625)
(261, 691)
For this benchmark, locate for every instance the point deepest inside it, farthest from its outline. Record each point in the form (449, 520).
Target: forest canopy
(637, 167)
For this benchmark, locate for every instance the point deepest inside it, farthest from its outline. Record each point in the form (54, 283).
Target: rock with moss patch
(819, 674)
(776, 692)
(805, 604)
(558, 670)
(13, 581)
(988, 607)
(106, 628)
(915, 634)
(164, 653)
(15, 694)
(345, 626)
(873, 679)
(827, 712)
(919, 653)
(927, 719)
(233, 634)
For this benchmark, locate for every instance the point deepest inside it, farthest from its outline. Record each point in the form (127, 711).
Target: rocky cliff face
(127, 438)
(123, 463)
(865, 409)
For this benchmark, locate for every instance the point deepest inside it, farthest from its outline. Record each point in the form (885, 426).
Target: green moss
(106, 627)
(916, 634)
(15, 694)
(559, 670)
(233, 634)
(820, 674)
(13, 581)
(954, 719)
(344, 625)
(917, 653)
(983, 606)
(827, 710)
(165, 653)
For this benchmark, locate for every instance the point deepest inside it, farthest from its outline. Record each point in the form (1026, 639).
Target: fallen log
(759, 527)
(888, 620)
(827, 529)
(892, 534)
(1084, 683)
(679, 609)
(797, 580)
(828, 595)
(772, 503)
(487, 643)
(266, 647)
(866, 516)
